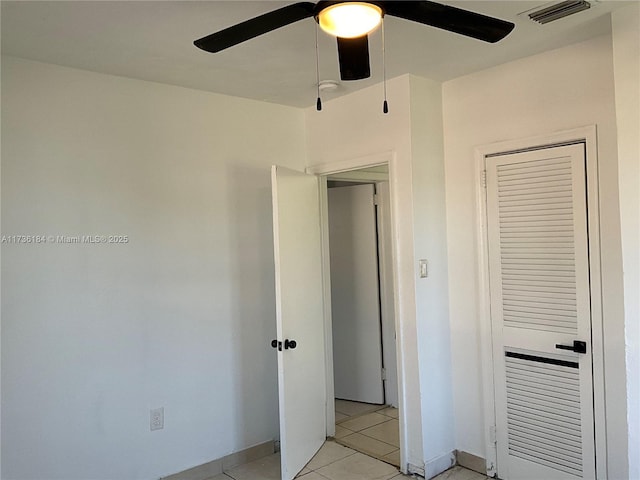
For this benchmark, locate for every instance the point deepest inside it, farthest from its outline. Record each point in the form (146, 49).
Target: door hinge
(384, 373)
(483, 179)
(493, 435)
(376, 199)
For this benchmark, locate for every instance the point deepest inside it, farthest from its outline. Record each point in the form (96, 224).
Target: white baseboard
(415, 470)
(216, 467)
(439, 464)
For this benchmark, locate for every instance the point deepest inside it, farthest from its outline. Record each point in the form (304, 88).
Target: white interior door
(355, 300)
(540, 306)
(299, 315)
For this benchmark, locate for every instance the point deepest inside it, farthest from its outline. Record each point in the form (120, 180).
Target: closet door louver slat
(534, 178)
(556, 406)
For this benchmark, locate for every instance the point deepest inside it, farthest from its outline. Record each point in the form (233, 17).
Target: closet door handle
(276, 344)
(578, 346)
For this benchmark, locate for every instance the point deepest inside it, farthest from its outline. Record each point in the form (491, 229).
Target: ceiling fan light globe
(350, 19)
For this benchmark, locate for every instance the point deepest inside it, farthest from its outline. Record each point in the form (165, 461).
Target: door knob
(288, 344)
(578, 346)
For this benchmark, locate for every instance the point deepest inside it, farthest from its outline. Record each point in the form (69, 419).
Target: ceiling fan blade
(457, 20)
(353, 55)
(254, 27)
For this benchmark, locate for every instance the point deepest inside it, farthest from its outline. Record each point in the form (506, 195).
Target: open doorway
(304, 341)
(362, 312)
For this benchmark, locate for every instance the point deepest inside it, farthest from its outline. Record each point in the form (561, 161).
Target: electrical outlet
(157, 418)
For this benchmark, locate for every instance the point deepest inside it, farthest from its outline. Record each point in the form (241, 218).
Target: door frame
(588, 136)
(384, 158)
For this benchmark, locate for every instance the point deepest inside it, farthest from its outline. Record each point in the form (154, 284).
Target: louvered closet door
(539, 278)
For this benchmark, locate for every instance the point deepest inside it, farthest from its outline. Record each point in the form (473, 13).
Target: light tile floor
(351, 409)
(363, 431)
(369, 429)
(335, 462)
(461, 473)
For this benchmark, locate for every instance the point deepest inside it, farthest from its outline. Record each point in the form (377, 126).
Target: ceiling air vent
(559, 10)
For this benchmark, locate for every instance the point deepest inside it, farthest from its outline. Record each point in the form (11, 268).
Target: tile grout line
(344, 420)
(376, 456)
(317, 473)
(379, 411)
(373, 438)
(350, 455)
(356, 415)
(334, 461)
(346, 456)
(386, 443)
(361, 432)
(373, 425)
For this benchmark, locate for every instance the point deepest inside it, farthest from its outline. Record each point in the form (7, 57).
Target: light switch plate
(424, 272)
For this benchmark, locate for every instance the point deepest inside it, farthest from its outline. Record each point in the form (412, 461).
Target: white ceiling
(152, 40)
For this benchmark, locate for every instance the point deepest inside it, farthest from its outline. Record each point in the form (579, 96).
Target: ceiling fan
(351, 22)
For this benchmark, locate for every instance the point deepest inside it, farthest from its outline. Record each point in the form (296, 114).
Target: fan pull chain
(385, 105)
(318, 101)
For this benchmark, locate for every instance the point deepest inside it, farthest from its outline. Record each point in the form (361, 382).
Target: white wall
(557, 90)
(626, 63)
(430, 232)
(354, 126)
(93, 336)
